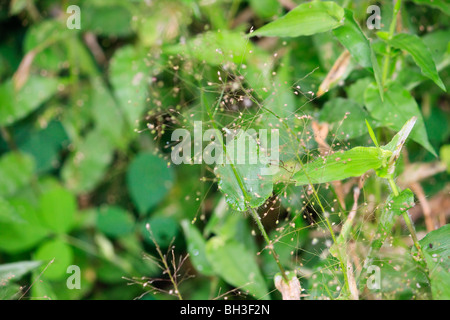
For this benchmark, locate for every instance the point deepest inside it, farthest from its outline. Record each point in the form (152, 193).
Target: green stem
(407, 219)
(269, 243)
(387, 61)
(244, 192)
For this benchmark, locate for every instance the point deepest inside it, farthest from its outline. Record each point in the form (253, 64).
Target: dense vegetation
(355, 198)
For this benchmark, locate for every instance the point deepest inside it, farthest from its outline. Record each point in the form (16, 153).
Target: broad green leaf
(304, 20)
(129, 73)
(57, 209)
(443, 5)
(243, 177)
(110, 19)
(19, 236)
(346, 118)
(62, 255)
(352, 37)
(393, 207)
(149, 179)
(46, 36)
(196, 247)
(436, 248)
(44, 145)
(400, 278)
(107, 115)
(266, 9)
(355, 91)
(396, 109)
(7, 213)
(114, 221)
(15, 271)
(341, 165)
(164, 229)
(216, 48)
(420, 53)
(16, 171)
(236, 265)
(17, 105)
(87, 164)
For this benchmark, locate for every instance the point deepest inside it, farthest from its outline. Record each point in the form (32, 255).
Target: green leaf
(436, 248)
(266, 9)
(243, 181)
(420, 53)
(57, 209)
(196, 247)
(236, 265)
(396, 109)
(165, 230)
(372, 134)
(46, 38)
(62, 255)
(216, 48)
(107, 19)
(444, 154)
(355, 91)
(149, 179)
(87, 164)
(15, 106)
(352, 37)
(44, 145)
(7, 213)
(341, 165)
(16, 171)
(19, 236)
(345, 116)
(129, 73)
(393, 207)
(15, 271)
(442, 5)
(114, 221)
(304, 20)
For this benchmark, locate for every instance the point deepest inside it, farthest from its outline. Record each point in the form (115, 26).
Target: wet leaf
(196, 247)
(436, 248)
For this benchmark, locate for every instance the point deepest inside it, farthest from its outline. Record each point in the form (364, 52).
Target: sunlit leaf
(304, 20)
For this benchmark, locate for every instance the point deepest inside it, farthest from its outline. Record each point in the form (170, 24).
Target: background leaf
(397, 108)
(148, 181)
(237, 266)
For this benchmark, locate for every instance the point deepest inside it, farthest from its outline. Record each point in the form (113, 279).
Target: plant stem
(407, 219)
(269, 243)
(386, 62)
(244, 192)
